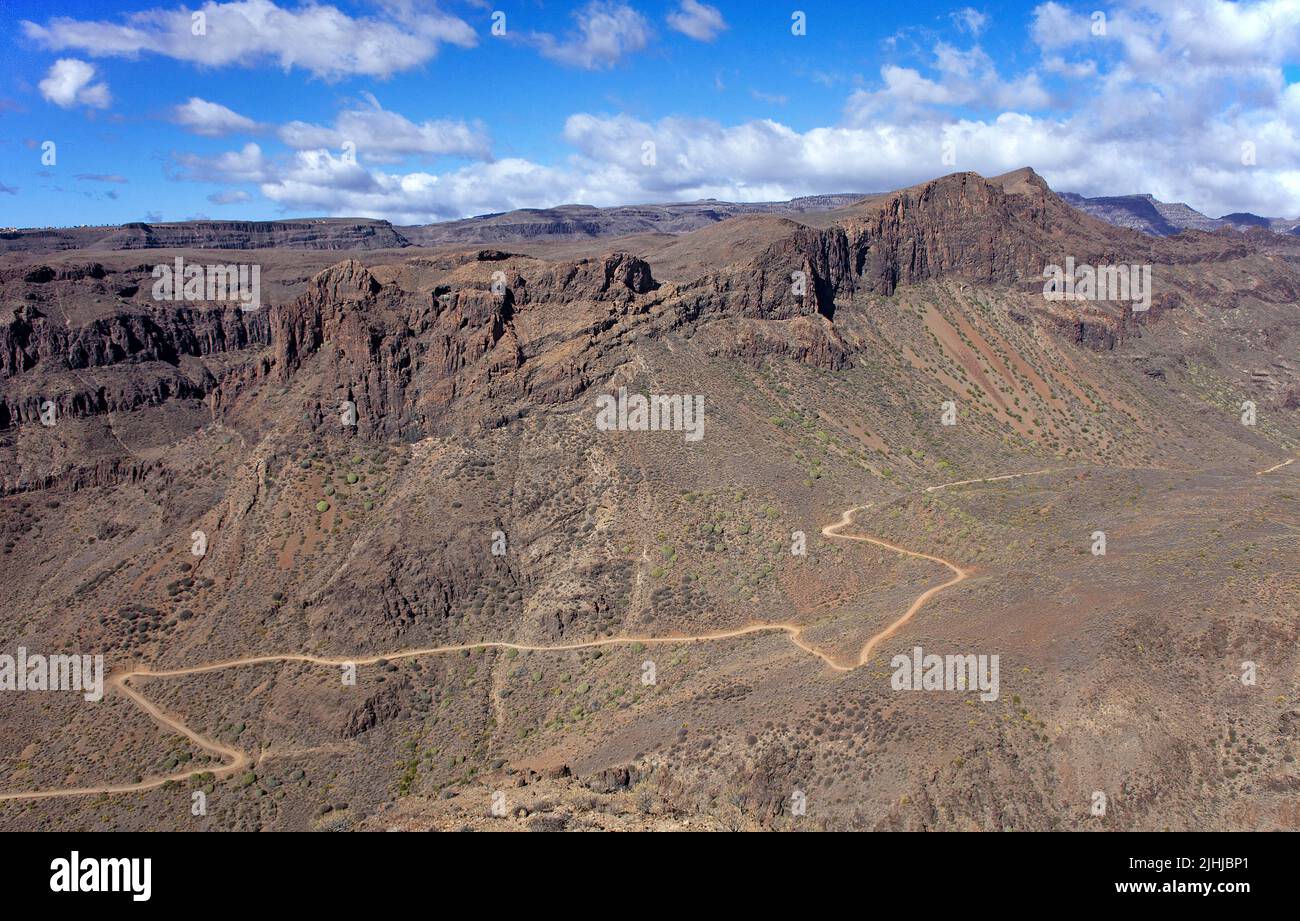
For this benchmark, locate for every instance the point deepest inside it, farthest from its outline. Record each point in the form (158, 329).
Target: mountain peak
(1022, 180)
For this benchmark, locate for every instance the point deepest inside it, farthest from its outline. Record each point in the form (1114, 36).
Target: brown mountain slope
(474, 377)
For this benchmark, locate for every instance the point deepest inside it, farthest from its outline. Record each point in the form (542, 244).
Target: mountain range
(365, 558)
(566, 222)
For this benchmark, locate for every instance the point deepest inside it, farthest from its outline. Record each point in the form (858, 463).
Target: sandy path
(1285, 463)
(238, 760)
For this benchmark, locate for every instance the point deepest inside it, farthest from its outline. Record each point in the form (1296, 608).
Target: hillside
(396, 462)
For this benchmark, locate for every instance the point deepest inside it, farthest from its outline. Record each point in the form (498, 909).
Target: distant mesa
(309, 233)
(1246, 219)
(525, 224)
(1165, 219)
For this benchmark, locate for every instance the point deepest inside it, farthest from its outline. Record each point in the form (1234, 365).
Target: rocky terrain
(395, 463)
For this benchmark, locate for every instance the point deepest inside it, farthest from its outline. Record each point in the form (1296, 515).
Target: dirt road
(237, 760)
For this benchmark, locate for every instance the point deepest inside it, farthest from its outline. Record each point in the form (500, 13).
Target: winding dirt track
(237, 760)
(1285, 463)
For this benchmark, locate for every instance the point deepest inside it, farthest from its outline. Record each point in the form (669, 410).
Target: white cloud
(1213, 32)
(315, 37)
(766, 160)
(212, 119)
(1149, 107)
(904, 84)
(230, 197)
(311, 183)
(1075, 70)
(971, 20)
(248, 164)
(1194, 34)
(68, 84)
(964, 78)
(96, 96)
(1055, 26)
(700, 21)
(606, 33)
(384, 137)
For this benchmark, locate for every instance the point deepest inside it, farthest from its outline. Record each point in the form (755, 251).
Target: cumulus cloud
(248, 164)
(1149, 106)
(971, 20)
(211, 119)
(382, 136)
(230, 197)
(700, 21)
(1057, 26)
(1075, 70)
(961, 78)
(68, 84)
(765, 160)
(1151, 35)
(311, 183)
(316, 37)
(606, 33)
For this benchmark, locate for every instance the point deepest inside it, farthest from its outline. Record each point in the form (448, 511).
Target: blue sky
(415, 111)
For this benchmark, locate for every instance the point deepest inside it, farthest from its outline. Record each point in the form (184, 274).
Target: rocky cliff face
(961, 225)
(404, 357)
(42, 357)
(29, 337)
(476, 338)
